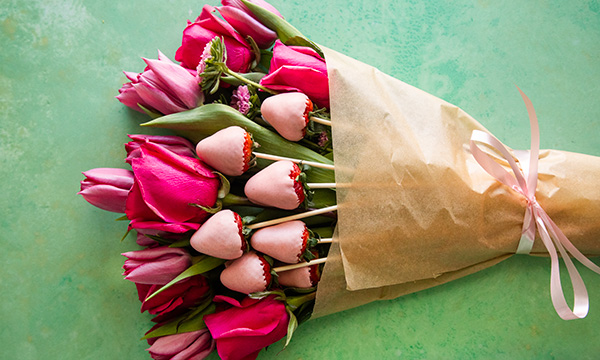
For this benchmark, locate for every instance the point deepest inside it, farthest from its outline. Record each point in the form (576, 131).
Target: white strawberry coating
(272, 186)
(224, 150)
(283, 242)
(299, 278)
(285, 112)
(219, 236)
(245, 275)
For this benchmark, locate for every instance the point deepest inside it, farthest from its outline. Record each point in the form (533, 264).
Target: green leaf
(265, 59)
(211, 210)
(188, 322)
(263, 294)
(292, 326)
(180, 244)
(152, 114)
(253, 76)
(225, 185)
(122, 218)
(204, 121)
(206, 264)
(285, 31)
(302, 41)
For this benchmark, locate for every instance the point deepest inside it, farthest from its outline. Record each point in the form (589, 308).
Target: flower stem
(247, 81)
(233, 200)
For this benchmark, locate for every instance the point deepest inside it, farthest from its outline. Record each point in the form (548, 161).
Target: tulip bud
(188, 345)
(107, 188)
(155, 265)
(176, 144)
(246, 23)
(164, 87)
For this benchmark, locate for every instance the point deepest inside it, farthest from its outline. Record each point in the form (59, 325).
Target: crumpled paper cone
(414, 208)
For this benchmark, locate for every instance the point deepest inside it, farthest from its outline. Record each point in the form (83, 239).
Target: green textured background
(61, 292)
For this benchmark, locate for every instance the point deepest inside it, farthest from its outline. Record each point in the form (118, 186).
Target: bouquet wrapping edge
(415, 209)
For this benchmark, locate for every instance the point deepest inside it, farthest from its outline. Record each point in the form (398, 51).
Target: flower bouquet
(299, 187)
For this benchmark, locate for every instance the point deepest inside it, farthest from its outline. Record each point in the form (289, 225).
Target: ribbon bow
(524, 182)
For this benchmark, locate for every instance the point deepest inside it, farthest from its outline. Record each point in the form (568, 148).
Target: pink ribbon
(524, 181)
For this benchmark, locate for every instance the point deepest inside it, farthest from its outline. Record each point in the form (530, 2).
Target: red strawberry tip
(266, 270)
(238, 220)
(249, 145)
(307, 110)
(298, 186)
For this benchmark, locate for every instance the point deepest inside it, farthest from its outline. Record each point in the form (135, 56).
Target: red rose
(244, 329)
(166, 187)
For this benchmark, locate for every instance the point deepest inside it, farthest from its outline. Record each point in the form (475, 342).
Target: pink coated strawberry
(248, 274)
(288, 114)
(304, 277)
(220, 236)
(285, 242)
(276, 185)
(229, 150)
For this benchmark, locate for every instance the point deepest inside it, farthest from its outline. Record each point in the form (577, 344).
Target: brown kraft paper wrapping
(415, 209)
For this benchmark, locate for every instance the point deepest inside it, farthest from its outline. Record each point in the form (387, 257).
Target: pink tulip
(175, 144)
(246, 23)
(206, 27)
(175, 299)
(298, 68)
(244, 329)
(107, 188)
(163, 87)
(195, 345)
(166, 188)
(156, 265)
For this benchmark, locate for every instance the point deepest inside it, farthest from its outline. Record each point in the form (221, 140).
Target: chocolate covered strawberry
(229, 150)
(288, 113)
(285, 242)
(221, 236)
(278, 185)
(248, 274)
(304, 277)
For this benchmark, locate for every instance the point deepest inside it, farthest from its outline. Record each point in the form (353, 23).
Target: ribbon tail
(580, 295)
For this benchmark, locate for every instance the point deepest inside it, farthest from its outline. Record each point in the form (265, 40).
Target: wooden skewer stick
(292, 217)
(326, 241)
(320, 121)
(297, 161)
(321, 185)
(299, 265)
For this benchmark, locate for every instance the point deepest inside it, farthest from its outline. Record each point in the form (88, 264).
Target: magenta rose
(195, 345)
(298, 68)
(244, 329)
(157, 265)
(175, 144)
(200, 32)
(163, 87)
(107, 188)
(246, 23)
(166, 189)
(173, 300)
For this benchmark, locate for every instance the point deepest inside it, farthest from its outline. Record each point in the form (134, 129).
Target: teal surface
(61, 292)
